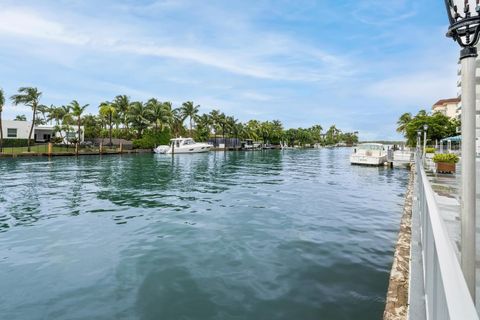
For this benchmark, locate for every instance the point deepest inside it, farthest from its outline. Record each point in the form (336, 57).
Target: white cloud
(379, 13)
(257, 96)
(26, 23)
(420, 89)
(255, 61)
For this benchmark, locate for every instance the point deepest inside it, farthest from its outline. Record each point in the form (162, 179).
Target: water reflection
(294, 234)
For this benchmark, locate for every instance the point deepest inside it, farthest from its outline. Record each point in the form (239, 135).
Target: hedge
(152, 139)
(9, 143)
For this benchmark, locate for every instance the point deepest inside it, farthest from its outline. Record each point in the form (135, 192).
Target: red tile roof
(445, 101)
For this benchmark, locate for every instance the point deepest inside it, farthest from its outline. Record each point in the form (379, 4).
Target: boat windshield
(370, 147)
(188, 141)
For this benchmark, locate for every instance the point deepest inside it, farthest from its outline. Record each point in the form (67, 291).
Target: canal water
(295, 234)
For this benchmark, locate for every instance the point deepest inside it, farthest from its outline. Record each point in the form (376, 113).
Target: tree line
(154, 122)
(440, 126)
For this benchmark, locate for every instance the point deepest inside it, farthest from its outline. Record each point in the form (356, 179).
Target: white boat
(249, 144)
(183, 145)
(372, 154)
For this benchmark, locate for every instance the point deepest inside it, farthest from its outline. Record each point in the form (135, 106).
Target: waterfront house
(13, 129)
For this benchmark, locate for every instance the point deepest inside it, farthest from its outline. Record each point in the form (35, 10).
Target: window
(11, 133)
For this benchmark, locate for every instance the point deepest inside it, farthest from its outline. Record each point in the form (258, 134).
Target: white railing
(446, 292)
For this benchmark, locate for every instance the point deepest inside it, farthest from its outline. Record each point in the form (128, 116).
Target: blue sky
(356, 64)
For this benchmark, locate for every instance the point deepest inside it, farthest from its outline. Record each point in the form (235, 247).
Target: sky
(356, 64)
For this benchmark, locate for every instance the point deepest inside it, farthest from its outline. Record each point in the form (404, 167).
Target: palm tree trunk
(31, 128)
(111, 126)
(190, 127)
(223, 136)
(78, 129)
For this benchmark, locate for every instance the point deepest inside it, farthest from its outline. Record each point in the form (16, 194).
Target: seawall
(396, 305)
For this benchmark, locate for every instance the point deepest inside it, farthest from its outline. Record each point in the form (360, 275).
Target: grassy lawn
(36, 149)
(56, 149)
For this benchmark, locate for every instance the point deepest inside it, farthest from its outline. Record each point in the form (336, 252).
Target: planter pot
(445, 167)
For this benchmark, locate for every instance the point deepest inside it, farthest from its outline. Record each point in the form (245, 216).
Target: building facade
(448, 107)
(12, 129)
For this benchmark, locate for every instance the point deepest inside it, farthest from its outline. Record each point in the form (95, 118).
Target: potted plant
(429, 152)
(445, 162)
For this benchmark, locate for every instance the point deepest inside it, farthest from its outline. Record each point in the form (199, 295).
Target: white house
(20, 129)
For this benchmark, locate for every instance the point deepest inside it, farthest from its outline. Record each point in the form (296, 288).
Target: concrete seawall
(396, 306)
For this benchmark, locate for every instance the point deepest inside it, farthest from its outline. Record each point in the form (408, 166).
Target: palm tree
(50, 111)
(30, 97)
(251, 129)
(188, 110)
(403, 122)
(159, 113)
(232, 126)
(2, 103)
(43, 110)
(107, 110)
(77, 111)
(214, 120)
(122, 104)
(138, 116)
(176, 122)
(204, 124)
(222, 122)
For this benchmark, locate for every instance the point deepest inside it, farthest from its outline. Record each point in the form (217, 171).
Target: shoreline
(397, 300)
(133, 151)
(71, 154)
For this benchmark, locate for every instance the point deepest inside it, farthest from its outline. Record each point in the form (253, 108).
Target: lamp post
(419, 135)
(425, 128)
(464, 18)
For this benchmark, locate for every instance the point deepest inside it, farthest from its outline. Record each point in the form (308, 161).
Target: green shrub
(152, 139)
(448, 158)
(9, 143)
(56, 140)
(430, 150)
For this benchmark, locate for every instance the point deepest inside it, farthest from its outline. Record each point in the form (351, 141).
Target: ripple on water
(298, 234)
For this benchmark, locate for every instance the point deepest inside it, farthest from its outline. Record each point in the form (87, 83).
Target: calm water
(259, 235)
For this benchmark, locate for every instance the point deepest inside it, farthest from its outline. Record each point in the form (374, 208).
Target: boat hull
(183, 150)
(368, 160)
(196, 149)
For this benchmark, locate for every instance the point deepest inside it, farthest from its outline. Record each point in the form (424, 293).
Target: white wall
(23, 128)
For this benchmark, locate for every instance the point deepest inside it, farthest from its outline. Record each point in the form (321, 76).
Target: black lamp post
(464, 17)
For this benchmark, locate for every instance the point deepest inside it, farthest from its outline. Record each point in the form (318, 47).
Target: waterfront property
(293, 234)
(13, 129)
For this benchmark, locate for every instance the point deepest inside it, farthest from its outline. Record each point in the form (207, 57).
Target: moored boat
(183, 145)
(372, 154)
